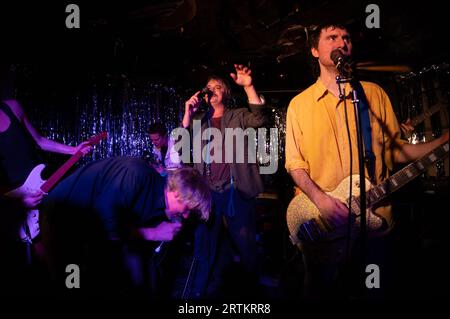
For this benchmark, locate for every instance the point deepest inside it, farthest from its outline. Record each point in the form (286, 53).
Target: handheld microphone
(206, 91)
(158, 249)
(176, 219)
(203, 104)
(341, 62)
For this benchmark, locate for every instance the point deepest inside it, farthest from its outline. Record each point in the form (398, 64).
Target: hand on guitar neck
(409, 125)
(84, 147)
(407, 128)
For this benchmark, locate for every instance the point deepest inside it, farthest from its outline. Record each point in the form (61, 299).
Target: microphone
(341, 62)
(175, 219)
(203, 105)
(206, 91)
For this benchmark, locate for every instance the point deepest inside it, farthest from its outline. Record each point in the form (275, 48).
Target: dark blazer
(246, 175)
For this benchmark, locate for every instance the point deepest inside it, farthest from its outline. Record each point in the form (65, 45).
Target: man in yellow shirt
(318, 151)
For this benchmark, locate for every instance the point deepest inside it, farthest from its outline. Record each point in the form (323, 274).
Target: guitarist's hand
(31, 201)
(333, 210)
(84, 147)
(407, 128)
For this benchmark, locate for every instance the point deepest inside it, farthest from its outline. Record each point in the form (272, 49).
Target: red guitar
(29, 229)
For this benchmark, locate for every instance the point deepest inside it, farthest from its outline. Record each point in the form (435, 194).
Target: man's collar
(319, 90)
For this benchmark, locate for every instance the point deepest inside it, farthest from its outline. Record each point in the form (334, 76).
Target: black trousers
(337, 270)
(229, 236)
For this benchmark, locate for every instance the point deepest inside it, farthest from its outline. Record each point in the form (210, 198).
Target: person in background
(164, 157)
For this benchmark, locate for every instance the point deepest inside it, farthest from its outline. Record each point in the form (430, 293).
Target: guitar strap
(369, 156)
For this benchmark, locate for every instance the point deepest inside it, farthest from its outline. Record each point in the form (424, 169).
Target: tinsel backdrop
(125, 109)
(120, 107)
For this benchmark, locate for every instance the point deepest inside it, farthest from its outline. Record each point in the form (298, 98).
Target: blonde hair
(192, 189)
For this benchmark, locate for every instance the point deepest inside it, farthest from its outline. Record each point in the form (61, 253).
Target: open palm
(242, 76)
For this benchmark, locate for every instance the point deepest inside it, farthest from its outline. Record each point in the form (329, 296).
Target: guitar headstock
(94, 140)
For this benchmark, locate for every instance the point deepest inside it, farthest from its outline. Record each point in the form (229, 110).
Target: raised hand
(190, 107)
(243, 75)
(193, 103)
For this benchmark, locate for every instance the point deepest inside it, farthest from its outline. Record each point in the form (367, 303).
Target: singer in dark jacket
(90, 214)
(234, 185)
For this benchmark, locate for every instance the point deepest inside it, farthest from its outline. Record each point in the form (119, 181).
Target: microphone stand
(347, 78)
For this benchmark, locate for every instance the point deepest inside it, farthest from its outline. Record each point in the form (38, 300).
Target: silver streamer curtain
(122, 109)
(125, 109)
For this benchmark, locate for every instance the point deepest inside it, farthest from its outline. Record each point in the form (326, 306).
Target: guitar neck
(420, 118)
(378, 193)
(48, 185)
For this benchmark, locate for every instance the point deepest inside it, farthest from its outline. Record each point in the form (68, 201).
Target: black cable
(349, 219)
(183, 294)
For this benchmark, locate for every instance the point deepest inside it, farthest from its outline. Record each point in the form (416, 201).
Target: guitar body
(29, 229)
(305, 222)
(32, 184)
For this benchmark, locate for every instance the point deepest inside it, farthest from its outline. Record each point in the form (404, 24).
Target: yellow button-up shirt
(317, 139)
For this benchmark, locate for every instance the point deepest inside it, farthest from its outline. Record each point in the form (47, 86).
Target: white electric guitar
(29, 229)
(306, 224)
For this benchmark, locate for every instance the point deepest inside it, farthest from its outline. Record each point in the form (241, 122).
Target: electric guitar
(421, 117)
(306, 224)
(29, 229)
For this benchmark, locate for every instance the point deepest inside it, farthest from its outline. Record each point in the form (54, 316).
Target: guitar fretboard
(420, 118)
(399, 179)
(48, 185)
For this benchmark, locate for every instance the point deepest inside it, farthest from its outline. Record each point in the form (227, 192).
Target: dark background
(121, 47)
(179, 41)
